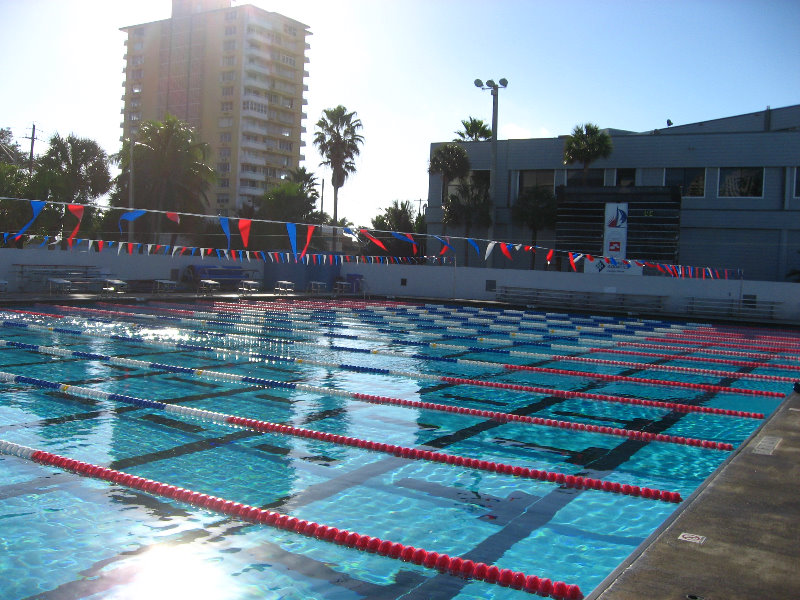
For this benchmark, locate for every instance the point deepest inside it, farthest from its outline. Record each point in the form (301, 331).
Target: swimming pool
(509, 449)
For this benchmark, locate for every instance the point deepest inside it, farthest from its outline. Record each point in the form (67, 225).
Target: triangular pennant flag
(130, 216)
(376, 241)
(309, 233)
(77, 210)
(504, 250)
(549, 255)
(406, 237)
(36, 207)
(445, 244)
(489, 249)
(223, 222)
(474, 244)
(291, 229)
(173, 216)
(244, 230)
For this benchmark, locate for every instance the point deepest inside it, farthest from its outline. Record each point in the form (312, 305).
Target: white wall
(448, 282)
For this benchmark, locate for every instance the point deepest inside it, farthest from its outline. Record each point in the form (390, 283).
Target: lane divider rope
(268, 383)
(687, 408)
(561, 479)
(453, 565)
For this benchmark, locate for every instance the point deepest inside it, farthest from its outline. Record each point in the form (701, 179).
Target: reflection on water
(167, 572)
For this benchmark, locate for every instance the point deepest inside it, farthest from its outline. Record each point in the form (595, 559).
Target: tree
(470, 206)
(586, 144)
(170, 169)
(306, 180)
(451, 162)
(10, 152)
(536, 208)
(398, 217)
(74, 169)
(337, 140)
(475, 130)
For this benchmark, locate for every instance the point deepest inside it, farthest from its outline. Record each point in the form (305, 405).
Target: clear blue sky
(407, 66)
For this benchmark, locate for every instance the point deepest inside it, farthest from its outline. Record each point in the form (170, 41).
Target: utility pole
(30, 160)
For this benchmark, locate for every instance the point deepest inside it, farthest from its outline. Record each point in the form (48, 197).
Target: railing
(741, 309)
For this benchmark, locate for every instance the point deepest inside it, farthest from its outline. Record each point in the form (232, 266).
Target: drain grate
(692, 537)
(766, 445)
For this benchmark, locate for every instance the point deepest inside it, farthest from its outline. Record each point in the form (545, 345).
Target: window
(228, 61)
(136, 88)
(223, 183)
(136, 74)
(285, 146)
(593, 178)
(797, 182)
(691, 181)
(536, 178)
(225, 122)
(223, 198)
(228, 75)
(230, 30)
(224, 152)
(230, 15)
(226, 106)
(741, 182)
(229, 46)
(135, 116)
(227, 90)
(224, 167)
(137, 61)
(225, 137)
(626, 178)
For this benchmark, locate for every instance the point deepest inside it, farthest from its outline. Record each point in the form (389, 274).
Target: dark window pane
(691, 181)
(747, 182)
(536, 178)
(594, 177)
(797, 182)
(626, 177)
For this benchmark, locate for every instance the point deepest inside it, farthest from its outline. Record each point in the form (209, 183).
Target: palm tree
(470, 206)
(307, 181)
(475, 130)
(451, 162)
(170, 168)
(536, 207)
(76, 169)
(337, 140)
(586, 144)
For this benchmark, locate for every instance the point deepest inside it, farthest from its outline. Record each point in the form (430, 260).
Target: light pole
(495, 89)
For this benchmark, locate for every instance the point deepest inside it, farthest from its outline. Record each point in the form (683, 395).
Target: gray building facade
(738, 178)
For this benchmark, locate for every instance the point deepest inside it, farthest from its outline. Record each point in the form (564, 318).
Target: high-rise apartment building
(235, 74)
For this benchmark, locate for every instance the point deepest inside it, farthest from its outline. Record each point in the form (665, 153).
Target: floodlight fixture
(478, 83)
(490, 83)
(503, 82)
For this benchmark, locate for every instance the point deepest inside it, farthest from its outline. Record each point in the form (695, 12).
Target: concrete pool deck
(738, 538)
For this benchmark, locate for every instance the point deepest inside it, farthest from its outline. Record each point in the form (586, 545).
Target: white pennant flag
(489, 249)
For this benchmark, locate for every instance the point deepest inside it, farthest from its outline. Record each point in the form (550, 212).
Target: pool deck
(749, 517)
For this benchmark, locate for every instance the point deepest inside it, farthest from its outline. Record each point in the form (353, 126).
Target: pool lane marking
(564, 372)
(675, 368)
(454, 565)
(562, 479)
(269, 383)
(687, 408)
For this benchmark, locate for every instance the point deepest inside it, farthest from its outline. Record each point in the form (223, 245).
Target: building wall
(723, 232)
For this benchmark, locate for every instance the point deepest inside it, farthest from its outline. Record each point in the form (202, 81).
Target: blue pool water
(67, 536)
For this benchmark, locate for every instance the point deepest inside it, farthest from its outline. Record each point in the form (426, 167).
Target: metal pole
(130, 192)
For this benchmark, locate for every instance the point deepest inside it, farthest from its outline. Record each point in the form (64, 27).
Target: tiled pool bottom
(67, 536)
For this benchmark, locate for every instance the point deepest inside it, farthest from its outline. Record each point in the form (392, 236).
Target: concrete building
(235, 74)
(738, 179)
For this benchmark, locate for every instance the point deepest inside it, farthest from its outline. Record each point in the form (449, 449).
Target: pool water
(64, 535)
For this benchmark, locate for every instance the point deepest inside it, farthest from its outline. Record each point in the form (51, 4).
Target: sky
(406, 67)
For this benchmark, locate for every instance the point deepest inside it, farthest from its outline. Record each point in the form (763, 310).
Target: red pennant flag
(100, 245)
(504, 250)
(549, 256)
(590, 258)
(244, 229)
(308, 240)
(572, 261)
(377, 241)
(130, 248)
(77, 210)
(173, 216)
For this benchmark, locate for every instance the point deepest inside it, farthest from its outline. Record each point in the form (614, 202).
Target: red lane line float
(570, 481)
(693, 349)
(719, 344)
(672, 383)
(30, 312)
(603, 398)
(453, 565)
(713, 341)
(705, 359)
